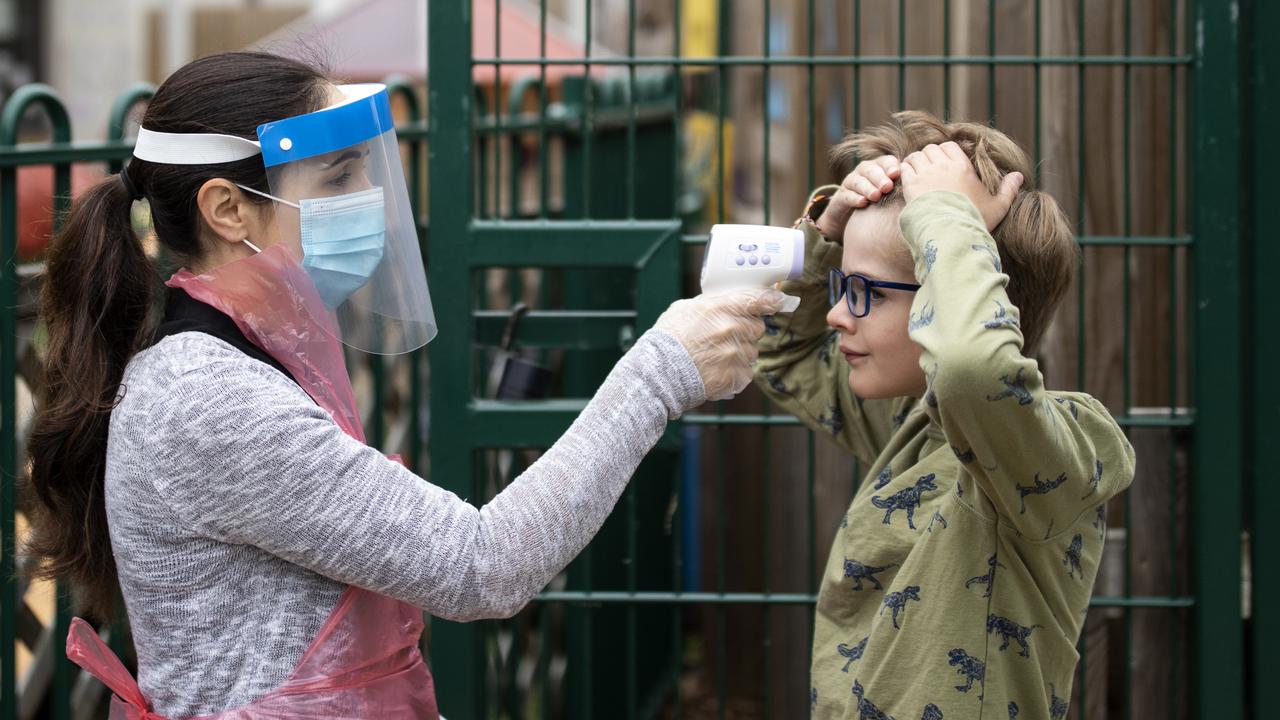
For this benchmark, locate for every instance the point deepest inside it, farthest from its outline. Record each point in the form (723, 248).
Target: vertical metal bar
(631, 109)
(946, 52)
(902, 54)
(765, 122)
(1126, 361)
(458, 656)
(588, 85)
(632, 523)
(767, 629)
(543, 175)
(1174, 556)
(677, 545)
(765, 444)
(1039, 72)
(813, 101)
(722, 45)
(11, 600)
(991, 67)
(720, 573)
(1080, 203)
(857, 67)
(1217, 486)
(498, 136)
(1262, 26)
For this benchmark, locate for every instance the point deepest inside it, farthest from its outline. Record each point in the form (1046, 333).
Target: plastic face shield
(343, 205)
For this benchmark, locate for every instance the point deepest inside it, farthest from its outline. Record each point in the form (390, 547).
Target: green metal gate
(610, 234)
(1200, 423)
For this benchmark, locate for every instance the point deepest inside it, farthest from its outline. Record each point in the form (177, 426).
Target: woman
(271, 563)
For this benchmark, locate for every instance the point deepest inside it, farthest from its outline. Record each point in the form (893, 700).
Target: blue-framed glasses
(858, 290)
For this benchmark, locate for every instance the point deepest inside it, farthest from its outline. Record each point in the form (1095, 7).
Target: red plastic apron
(364, 662)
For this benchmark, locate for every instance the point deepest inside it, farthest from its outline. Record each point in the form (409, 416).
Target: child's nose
(840, 318)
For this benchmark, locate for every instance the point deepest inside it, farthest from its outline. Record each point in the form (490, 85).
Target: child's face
(883, 360)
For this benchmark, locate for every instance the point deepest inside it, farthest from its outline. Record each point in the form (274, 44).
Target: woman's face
(337, 173)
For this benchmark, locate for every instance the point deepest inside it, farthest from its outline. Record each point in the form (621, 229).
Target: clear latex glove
(720, 333)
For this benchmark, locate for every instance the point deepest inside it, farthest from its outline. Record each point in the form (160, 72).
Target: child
(959, 581)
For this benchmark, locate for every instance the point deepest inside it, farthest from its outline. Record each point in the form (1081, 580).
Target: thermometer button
(741, 260)
(753, 260)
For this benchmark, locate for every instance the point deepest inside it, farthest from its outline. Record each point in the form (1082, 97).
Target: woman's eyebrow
(348, 155)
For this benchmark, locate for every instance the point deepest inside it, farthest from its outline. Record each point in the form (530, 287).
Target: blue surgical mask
(342, 240)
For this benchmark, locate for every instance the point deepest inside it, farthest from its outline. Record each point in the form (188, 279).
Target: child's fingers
(865, 188)
(953, 151)
(917, 161)
(1009, 188)
(935, 153)
(908, 172)
(876, 175)
(890, 164)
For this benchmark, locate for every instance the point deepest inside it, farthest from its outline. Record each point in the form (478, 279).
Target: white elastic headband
(192, 148)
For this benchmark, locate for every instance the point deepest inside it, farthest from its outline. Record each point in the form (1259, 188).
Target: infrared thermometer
(752, 256)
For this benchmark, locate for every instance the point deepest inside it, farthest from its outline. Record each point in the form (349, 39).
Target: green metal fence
(1193, 424)
(574, 193)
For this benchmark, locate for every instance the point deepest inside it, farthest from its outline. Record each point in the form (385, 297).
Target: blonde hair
(1037, 247)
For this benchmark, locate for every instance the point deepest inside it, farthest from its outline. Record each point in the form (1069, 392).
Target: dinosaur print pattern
(771, 326)
(924, 320)
(852, 652)
(970, 668)
(1057, 706)
(906, 499)
(1015, 388)
(833, 421)
(937, 517)
(1013, 710)
(989, 579)
(1094, 479)
(1002, 318)
(867, 709)
(964, 456)
(1100, 520)
(901, 417)
(1039, 487)
(813, 698)
(995, 256)
(859, 572)
(897, 602)
(930, 257)
(776, 383)
(932, 712)
(1072, 557)
(1011, 631)
(824, 352)
(1071, 406)
(884, 477)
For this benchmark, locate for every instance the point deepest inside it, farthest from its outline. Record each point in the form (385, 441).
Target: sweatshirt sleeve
(244, 457)
(1034, 459)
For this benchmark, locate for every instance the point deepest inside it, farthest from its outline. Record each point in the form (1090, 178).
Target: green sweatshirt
(958, 583)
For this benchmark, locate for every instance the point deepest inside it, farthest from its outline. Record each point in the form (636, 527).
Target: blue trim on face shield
(329, 130)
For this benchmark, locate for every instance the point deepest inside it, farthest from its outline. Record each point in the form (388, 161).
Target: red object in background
(35, 204)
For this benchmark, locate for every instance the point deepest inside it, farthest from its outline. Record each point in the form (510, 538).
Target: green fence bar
(1263, 22)
(1216, 491)
(455, 653)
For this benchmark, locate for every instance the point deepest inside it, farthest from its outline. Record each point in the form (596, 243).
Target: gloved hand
(720, 333)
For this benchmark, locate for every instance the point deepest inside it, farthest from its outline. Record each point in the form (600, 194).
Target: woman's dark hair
(97, 301)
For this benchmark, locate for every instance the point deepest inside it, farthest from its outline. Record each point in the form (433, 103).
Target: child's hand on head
(946, 167)
(867, 184)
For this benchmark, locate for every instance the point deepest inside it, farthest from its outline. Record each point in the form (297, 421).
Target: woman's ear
(226, 210)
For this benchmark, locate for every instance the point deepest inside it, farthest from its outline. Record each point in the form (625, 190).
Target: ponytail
(95, 305)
